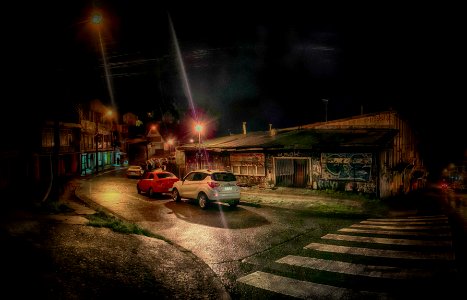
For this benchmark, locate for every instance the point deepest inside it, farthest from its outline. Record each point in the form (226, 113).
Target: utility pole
(198, 129)
(97, 143)
(55, 193)
(325, 101)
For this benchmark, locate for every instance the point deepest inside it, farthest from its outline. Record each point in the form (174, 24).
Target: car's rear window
(165, 175)
(223, 177)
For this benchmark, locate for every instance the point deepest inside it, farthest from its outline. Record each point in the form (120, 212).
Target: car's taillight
(213, 184)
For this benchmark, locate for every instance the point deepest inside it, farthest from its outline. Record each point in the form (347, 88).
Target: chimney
(244, 127)
(272, 131)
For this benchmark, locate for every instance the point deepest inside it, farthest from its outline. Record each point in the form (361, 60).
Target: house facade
(373, 154)
(98, 140)
(82, 143)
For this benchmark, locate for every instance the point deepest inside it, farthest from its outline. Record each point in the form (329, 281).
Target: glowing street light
(96, 18)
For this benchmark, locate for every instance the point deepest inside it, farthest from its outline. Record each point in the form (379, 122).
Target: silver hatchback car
(207, 186)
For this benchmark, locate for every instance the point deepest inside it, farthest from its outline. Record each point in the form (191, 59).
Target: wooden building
(373, 153)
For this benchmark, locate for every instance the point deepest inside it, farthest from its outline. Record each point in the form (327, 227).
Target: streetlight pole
(199, 128)
(97, 144)
(325, 101)
(97, 20)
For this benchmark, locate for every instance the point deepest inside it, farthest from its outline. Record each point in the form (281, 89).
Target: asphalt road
(234, 242)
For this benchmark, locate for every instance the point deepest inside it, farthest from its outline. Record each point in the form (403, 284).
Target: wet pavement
(58, 256)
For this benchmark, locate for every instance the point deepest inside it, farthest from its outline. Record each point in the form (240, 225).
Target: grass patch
(342, 194)
(335, 208)
(366, 208)
(101, 219)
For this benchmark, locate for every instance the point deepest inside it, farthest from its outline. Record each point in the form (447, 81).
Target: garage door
(292, 172)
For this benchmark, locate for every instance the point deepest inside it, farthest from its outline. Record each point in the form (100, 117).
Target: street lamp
(97, 21)
(325, 101)
(199, 128)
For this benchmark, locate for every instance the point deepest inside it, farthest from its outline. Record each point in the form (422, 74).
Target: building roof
(305, 138)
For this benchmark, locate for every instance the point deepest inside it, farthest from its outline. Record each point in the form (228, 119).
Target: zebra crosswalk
(415, 249)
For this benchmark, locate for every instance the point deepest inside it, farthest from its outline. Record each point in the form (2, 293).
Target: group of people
(156, 163)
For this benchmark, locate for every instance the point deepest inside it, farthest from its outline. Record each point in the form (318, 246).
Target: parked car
(207, 186)
(156, 182)
(134, 171)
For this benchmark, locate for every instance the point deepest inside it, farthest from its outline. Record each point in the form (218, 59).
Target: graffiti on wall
(289, 154)
(346, 166)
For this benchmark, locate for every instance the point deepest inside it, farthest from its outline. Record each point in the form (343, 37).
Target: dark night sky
(246, 62)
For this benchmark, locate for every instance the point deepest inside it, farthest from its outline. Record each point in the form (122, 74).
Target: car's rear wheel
(203, 200)
(175, 195)
(234, 204)
(151, 193)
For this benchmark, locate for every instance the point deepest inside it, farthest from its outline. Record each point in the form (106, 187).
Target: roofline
(319, 124)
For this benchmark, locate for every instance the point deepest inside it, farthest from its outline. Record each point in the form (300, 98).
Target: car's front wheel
(176, 196)
(203, 200)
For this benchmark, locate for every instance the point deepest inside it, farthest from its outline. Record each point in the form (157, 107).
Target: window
(47, 137)
(223, 177)
(166, 175)
(199, 177)
(248, 164)
(189, 176)
(65, 137)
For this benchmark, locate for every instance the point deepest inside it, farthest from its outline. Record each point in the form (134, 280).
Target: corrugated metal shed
(316, 139)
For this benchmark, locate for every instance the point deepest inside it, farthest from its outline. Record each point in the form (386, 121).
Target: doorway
(292, 172)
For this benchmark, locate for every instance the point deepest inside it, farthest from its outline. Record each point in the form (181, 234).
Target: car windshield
(166, 175)
(223, 177)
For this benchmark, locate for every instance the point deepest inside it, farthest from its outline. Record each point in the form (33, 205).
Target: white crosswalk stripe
(381, 252)
(409, 219)
(299, 288)
(399, 227)
(353, 269)
(437, 248)
(378, 240)
(397, 232)
(409, 222)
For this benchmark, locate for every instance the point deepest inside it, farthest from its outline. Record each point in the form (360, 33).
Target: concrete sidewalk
(296, 198)
(57, 256)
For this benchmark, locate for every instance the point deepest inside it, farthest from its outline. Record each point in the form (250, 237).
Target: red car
(156, 183)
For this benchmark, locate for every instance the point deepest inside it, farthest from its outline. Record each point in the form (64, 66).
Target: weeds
(101, 219)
